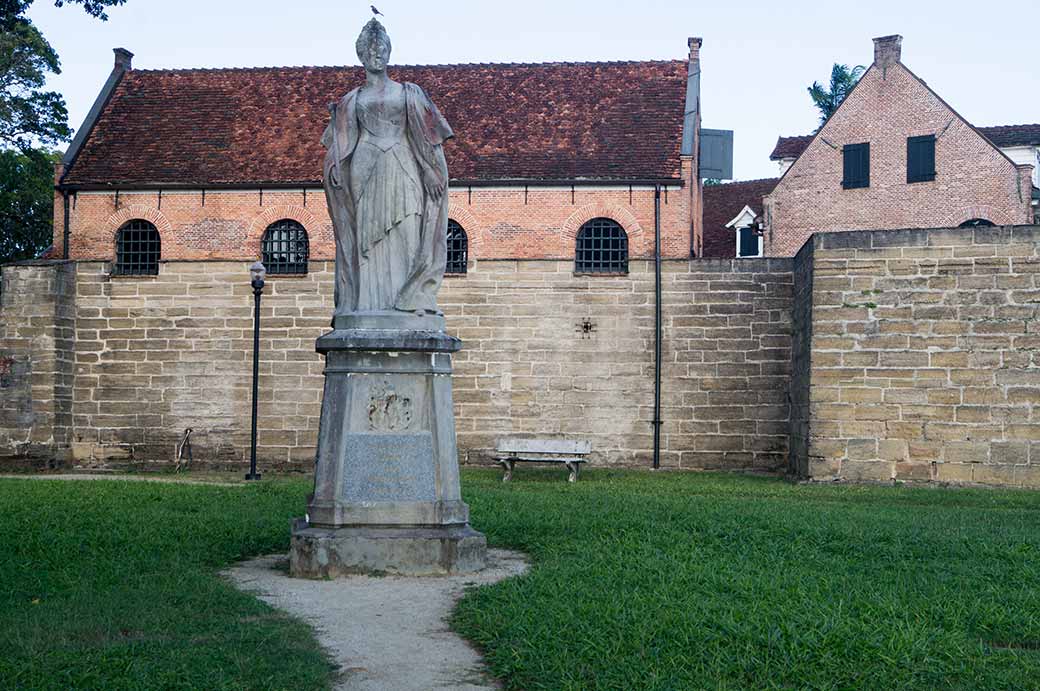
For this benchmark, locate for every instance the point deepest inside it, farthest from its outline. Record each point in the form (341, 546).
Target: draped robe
(391, 247)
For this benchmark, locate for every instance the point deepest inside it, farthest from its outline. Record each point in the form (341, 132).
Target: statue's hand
(434, 186)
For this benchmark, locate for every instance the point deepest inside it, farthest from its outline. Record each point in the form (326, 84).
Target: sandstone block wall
(924, 359)
(546, 353)
(36, 360)
(529, 367)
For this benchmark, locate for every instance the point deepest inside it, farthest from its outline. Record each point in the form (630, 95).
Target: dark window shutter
(856, 165)
(748, 242)
(920, 158)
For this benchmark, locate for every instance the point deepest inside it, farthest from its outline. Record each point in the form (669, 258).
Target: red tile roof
(790, 147)
(1001, 136)
(558, 121)
(1013, 135)
(722, 203)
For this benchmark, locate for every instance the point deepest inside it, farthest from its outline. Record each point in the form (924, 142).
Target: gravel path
(387, 633)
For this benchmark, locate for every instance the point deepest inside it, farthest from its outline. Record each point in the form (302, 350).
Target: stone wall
(879, 355)
(546, 353)
(925, 357)
(801, 360)
(36, 365)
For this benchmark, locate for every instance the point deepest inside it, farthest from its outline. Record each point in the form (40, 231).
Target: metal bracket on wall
(586, 328)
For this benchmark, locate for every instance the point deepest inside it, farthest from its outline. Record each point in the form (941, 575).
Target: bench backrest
(546, 446)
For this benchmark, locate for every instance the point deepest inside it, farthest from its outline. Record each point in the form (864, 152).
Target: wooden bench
(570, 453)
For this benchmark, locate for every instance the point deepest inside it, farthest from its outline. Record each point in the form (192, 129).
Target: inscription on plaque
(389, 467)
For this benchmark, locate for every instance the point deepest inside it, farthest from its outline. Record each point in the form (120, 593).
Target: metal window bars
(602, 248)
(285, 248)
(458, 249)
(138, 249)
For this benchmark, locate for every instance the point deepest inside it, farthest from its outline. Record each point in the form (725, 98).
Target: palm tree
(843, 78)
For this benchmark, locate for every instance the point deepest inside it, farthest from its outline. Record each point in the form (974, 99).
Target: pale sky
(758, 57)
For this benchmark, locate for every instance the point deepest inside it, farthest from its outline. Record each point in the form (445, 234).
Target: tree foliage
(32, 121)
(30, 116)
(26, 203)
(827, 100)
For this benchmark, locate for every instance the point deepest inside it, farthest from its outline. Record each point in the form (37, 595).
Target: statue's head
(373, 47)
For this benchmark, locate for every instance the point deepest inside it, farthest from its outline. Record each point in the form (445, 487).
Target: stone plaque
(389, 467)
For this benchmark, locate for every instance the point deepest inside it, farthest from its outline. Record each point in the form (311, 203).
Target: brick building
(894, 155)
(180, 178)
(892, 121)
(212, 157)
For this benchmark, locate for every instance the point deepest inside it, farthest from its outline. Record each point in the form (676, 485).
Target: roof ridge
(742, 182)
(579, 63)
(1007, 127)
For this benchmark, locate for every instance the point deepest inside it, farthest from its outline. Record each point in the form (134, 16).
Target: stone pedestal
(386, 480)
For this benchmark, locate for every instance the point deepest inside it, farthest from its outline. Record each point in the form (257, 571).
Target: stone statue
(386, 185)
(387, 497)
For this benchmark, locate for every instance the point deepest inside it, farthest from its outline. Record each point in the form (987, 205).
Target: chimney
(124, 60)
(695, 48)
(887, 50)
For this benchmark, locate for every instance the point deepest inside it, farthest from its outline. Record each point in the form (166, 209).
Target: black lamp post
(257, 272)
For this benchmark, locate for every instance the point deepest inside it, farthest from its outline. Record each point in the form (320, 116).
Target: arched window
(602, 248)
(138, 249)
(458, 249)
(976, 223)
(284, 248)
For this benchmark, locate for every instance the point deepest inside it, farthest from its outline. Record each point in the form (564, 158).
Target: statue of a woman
(386, 185)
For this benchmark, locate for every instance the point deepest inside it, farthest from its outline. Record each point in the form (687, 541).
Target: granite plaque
(389, 467)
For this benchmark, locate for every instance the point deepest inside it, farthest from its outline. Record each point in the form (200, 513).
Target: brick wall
(156, 355)
(501, 223)
(973, 178)
(925, 357)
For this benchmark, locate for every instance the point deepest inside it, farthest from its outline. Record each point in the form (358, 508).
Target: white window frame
(745, 219)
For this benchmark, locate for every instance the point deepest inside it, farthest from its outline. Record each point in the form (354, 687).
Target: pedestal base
(401, 550)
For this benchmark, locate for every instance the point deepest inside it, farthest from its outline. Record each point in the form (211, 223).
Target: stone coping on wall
(924, 237)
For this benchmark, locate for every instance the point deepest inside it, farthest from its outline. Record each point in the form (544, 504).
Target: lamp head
(258, 272)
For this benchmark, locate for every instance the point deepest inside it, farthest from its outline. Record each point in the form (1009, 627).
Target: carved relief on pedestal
(388, 411)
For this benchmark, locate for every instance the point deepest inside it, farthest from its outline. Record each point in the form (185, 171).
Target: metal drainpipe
(657, 326)
(65, 229)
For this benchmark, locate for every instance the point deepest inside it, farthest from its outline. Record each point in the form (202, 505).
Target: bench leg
(573, 467)
(507, 466)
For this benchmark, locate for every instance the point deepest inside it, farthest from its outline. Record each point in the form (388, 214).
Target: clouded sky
(757, 60)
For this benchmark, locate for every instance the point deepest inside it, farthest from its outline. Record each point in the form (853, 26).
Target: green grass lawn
(704, 581)
(113, 585)
(666, 581)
